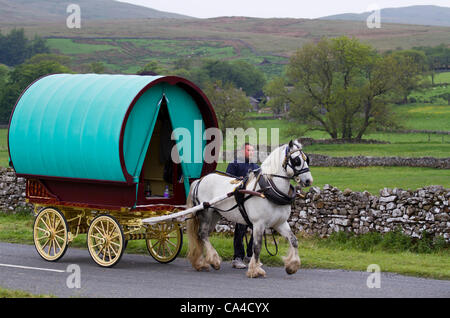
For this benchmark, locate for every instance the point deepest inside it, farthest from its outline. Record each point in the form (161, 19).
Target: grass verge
(9, 293)
(393, 252)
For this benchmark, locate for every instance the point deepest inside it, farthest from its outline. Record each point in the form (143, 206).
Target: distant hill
(418, 15)
(130, 41)
(35, 11)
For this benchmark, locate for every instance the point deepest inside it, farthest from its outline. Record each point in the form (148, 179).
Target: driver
(240, 169)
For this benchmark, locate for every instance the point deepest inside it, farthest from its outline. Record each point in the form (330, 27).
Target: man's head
(248, 151)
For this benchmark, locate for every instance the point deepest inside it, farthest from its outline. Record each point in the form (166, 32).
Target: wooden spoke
(50, 225)
(104, 234)
(165, 242)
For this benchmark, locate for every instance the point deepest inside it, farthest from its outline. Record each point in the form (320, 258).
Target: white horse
(283, 164)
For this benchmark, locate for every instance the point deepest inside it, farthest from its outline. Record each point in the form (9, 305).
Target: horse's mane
(273, 161)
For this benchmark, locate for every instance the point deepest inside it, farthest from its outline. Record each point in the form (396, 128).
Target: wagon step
(201, 206)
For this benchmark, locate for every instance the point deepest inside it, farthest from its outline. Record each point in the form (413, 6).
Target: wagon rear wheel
(165, 242)
(105, 240)
(50, 234)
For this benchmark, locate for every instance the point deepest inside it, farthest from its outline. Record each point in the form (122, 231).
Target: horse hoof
(215, 266)
(293, 268)
(291, 271)
(201, 267)
(256, 274)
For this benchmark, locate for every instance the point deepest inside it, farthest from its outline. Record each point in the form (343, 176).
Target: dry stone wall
(364, 161)
(323, 211)
(327, 210)
(12, 191)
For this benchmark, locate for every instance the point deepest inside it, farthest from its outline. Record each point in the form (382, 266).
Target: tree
(342, 86)
(445, 96)
(15, 48)
(230, 104)
(38, 58)
(277, 94)
(4, 70)
(410, 67)
(438, 57)
(24, 74)
(246, 76)
(19, 79)
(97, 68)
(152, 68)
(183, 63)
(240, 73)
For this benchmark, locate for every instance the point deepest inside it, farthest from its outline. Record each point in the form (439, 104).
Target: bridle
(293, 162)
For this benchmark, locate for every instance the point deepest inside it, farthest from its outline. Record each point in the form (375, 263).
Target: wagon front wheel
(165, 242)
(50, 234)
(105, 240)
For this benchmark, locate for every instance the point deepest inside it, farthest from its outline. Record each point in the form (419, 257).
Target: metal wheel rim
(165, 243)
(105, 241)
(50, 234)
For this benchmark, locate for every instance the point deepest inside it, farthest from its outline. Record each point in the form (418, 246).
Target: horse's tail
(195, 247)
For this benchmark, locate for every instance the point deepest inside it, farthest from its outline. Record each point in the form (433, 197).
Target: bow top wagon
(96, 153)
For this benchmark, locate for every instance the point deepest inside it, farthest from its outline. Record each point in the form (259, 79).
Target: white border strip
(35, 268)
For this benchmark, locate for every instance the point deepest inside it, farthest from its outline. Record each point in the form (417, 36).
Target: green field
(437, 150)
(70, 47)
(425, 117)
(442, 78)
(431, 95)
(128, 55)
(373, 179)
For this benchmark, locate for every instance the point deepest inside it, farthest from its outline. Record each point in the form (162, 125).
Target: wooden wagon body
(96, 151)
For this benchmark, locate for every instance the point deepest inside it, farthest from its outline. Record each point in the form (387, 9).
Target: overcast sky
(275, 8)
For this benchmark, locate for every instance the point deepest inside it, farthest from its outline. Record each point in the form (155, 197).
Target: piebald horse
(283, 164)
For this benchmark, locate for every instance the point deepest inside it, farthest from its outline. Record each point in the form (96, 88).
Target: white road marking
(35, 268)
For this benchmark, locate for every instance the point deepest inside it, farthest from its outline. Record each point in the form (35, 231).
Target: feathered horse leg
(292, 260)
(195, 247)
(209, 219)
(254, 267)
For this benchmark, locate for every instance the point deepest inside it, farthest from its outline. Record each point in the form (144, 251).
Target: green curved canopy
(96, 127)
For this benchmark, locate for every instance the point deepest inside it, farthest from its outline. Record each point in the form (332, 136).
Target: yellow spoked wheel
(165, 242)
(105, 240)
(50, 234)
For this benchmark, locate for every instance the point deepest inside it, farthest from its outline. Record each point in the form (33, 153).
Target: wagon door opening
(161, 178)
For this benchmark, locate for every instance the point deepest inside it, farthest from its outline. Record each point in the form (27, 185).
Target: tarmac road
(139, 276)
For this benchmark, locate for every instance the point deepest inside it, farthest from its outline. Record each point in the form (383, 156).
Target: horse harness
(268, 189)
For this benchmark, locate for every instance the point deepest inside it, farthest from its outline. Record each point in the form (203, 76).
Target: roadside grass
(393, 252)
(9, 293)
